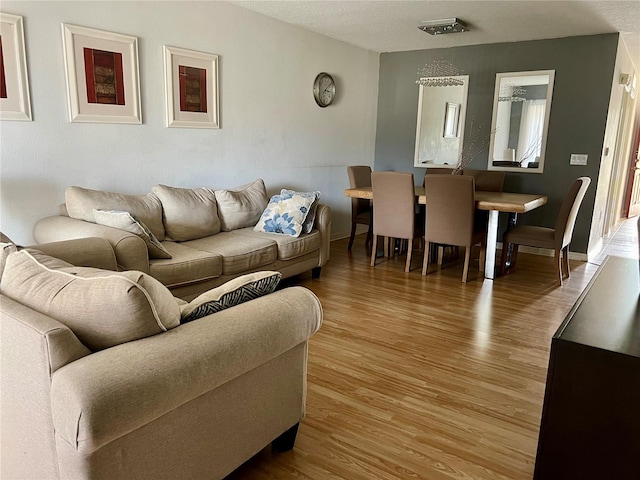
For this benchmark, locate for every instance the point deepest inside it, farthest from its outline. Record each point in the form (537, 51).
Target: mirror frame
(459, 128)
(545, 129)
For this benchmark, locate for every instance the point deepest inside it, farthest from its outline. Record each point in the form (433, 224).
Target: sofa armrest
(323, 224)
(93, 252)
(130, 250)
(108, 394)
(32, 347)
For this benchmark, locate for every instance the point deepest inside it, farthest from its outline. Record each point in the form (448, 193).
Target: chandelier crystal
(512, 93)
(439, 73)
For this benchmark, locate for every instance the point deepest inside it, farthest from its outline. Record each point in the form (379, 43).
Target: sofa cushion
(242, 206)
(285, 215)
(81, 202)
(307, 226)
(6, 249)
(288, 247)
(187, 265)
(240, 254)
(188, 213)
(127, 222)
(101, 307)
(234, 292)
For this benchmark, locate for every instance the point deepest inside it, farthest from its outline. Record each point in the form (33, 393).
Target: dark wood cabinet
(590, 426)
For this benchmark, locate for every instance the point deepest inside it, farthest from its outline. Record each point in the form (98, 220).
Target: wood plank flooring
(414, 377)
(623, 243)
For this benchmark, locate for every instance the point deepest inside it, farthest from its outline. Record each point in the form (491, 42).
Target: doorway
(621, 160)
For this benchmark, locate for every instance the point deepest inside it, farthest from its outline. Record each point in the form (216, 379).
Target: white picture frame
(94, 96)
(198, 72)
(15, 102)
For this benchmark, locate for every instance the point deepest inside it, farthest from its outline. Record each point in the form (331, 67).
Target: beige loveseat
(209, 234)
(192, 402)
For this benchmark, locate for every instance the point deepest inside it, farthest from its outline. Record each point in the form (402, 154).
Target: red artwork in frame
(15, 103)
(3, 80)
(193, 89)
(104, 77)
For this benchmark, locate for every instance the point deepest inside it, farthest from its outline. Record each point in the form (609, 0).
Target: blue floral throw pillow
(307, 226)
(285, 214)
(234, 292)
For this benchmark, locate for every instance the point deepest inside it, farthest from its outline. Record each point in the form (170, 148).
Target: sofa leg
(315, 272)
(285, 442)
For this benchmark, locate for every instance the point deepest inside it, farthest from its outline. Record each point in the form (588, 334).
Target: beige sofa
(195, 401)
(209, 234)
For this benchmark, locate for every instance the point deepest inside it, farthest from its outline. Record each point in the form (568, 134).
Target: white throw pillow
(285, 215)
(234, 292)
(127, 222)
(80, 203)
(241, 207)
(311, 217)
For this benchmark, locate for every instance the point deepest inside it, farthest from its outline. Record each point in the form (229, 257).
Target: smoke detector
(439, 27)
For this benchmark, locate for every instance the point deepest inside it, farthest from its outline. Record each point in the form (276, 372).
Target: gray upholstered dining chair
(361, 211)
(557, 238)
(450, 217)
(394, 211)
(440, 171)
(487, 180)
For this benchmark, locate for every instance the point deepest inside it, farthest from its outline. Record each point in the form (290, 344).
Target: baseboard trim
(592, 253)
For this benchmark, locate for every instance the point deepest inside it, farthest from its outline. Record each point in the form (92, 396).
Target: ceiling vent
(447, 25)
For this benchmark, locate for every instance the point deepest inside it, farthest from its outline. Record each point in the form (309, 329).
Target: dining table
(493, 202)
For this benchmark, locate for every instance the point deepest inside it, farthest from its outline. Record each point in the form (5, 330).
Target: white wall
(271, 126)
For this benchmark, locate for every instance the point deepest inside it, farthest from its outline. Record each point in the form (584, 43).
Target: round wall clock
(324, 89)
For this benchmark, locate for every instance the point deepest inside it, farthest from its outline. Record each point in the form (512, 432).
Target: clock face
(324, 89)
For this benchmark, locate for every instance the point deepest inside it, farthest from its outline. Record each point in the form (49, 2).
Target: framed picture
(103, 81)
(191, 88)
(14, 84)
(451, 115)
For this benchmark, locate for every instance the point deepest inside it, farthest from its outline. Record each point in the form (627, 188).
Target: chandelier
(439, 73)
(512, 93)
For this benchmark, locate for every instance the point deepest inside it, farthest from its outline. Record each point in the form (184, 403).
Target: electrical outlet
(578, 159)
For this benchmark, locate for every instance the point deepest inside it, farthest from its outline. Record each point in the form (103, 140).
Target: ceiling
(391, 26)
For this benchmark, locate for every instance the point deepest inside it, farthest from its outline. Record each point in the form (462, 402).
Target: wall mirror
(442, 107)
(521, 108)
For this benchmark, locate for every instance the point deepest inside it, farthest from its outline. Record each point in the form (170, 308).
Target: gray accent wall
(584, 69)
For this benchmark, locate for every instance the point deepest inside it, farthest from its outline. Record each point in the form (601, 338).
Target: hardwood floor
(623, 243)
(424, 377)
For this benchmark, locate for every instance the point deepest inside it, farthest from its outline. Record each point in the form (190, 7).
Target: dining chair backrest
(440, 171)
(359, 176)
(487, 180)
(566, 220)
(394, 202)
(450, 208)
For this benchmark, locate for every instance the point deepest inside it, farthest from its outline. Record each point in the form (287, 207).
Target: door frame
(617, 190)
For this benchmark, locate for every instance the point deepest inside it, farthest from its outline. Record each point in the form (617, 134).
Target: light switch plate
(578, 159)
